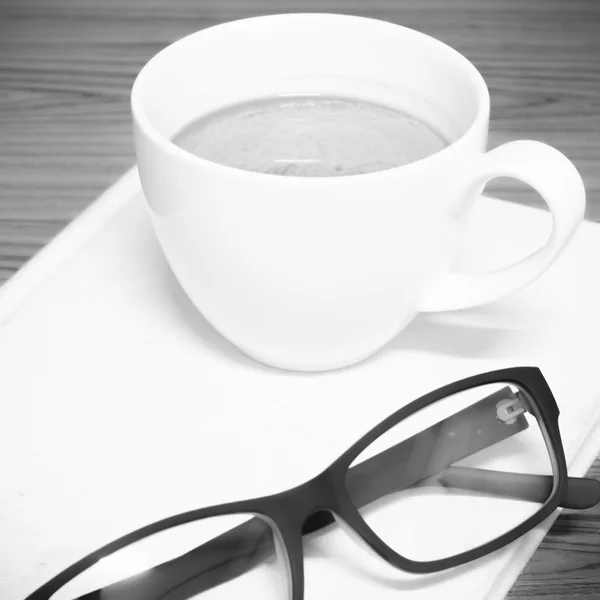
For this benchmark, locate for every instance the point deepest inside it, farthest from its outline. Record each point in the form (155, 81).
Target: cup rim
(474, 77)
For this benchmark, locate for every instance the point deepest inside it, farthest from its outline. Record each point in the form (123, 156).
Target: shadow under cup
(306, 273)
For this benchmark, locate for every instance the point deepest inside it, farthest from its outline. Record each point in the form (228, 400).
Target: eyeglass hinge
(510, 409)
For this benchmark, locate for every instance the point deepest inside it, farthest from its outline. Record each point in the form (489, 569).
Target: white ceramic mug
(317, 273)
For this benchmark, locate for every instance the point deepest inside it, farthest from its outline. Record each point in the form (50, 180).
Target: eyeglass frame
(287, 512)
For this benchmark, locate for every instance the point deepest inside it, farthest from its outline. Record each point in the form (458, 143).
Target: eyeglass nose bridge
(313, 504)
(301, 511)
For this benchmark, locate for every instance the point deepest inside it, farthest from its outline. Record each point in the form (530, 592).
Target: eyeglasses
(447, 479)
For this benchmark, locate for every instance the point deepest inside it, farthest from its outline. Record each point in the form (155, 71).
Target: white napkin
(121, 405)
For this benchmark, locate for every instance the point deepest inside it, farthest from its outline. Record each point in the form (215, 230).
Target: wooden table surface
(66, 69)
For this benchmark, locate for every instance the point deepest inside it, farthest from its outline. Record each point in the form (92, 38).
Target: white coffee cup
(317, 273)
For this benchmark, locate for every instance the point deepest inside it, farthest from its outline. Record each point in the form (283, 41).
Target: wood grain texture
(66, 69)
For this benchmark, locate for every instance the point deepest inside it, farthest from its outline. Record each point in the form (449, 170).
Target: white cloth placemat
(121, 405)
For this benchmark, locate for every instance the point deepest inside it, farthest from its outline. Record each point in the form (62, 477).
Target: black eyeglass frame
(288, 511)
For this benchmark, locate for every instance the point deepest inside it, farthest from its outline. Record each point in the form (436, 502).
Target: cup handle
(556, 179)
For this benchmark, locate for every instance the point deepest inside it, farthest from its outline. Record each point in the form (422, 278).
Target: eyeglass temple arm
(215, 562)
(433, 450)
(581, 493)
